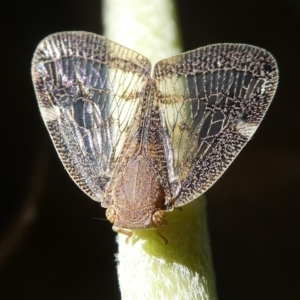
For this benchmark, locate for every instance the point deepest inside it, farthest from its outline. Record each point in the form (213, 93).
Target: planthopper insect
(140, 144)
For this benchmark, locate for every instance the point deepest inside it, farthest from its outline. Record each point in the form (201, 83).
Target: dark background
(53, 242)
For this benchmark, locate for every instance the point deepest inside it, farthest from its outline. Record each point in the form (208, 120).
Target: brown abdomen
(136, 195)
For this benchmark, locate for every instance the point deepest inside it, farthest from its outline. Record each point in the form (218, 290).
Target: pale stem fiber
(147, 268)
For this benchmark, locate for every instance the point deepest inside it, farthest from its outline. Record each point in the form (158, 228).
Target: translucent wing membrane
(141, 146)
(92, 95)
(211, 101)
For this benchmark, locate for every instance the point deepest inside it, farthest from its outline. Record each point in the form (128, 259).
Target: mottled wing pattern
(91, 94)
(153, 144)
(211, 101)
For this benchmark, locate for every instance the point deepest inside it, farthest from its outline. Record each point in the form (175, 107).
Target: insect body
(142, 145)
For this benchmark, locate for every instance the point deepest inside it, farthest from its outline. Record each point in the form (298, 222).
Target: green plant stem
(147, 268)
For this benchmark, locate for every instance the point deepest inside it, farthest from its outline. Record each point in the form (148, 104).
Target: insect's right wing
(211, 101)
(91, 94)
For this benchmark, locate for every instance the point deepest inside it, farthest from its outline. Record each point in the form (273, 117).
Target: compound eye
(111, 214)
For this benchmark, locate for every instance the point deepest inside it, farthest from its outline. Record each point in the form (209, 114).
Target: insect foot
(159, 221)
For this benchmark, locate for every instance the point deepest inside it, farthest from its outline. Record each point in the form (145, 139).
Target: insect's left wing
(91, 93)
(211, 101)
